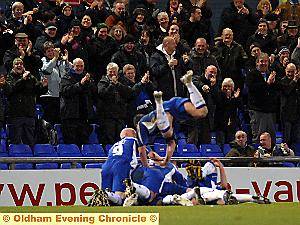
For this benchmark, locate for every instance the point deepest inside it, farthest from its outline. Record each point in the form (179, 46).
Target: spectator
(240, 19)
(3, 74)
(280, 62)
(138, 22)
(196, 26)
(262, 98)
(128, 54)
(272, 20)
(167, 67)
(231, 58)
(182, 47)
(264, 7)
(23, 49)
(146, 45)
(76, 104)
(21, 89)
(50, 34)
(226, 120)
(86, 26)
(255, 52)
(239, 147)
(289, 38)
(6, 40)
(267, 149)
(118, 33)
(113, 98)
(176, 12)
(98, 11)
(100, 48)
(76, 43)
(55, 66)
(64, 20)
(142, 91)
(201, 58)
(161, 32)
(264, 38)
(290, 105)
(118, 15)
(296, 54)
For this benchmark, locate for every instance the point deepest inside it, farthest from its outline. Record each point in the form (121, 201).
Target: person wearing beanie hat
(64, 20)
(101, 48)
(128, 54)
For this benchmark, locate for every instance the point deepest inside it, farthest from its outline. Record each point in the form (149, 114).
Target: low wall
(75, 186)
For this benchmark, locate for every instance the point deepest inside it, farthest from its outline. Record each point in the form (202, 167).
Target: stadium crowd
(100, 61)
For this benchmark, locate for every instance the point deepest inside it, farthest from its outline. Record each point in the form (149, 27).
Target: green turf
(245, 214)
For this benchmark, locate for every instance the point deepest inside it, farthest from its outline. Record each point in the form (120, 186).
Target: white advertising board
(75, 186)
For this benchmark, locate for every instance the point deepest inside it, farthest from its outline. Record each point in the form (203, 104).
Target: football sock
(195, 96)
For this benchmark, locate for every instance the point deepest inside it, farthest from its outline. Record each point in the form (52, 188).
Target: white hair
(228, 81)
(112, 65)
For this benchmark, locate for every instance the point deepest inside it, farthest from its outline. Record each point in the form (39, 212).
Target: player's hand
(216, 162)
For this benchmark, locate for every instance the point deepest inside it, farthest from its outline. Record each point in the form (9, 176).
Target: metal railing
(74, 160)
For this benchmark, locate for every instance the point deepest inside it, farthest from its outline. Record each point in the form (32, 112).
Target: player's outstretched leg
(261, 199)
(229, 199)
(195, 96)
(163, 123)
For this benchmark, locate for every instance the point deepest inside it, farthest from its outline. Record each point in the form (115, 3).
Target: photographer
(76, 104)
(55, 66)
(21, 89)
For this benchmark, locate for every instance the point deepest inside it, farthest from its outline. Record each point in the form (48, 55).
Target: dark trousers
(291, 132)
(109, 130)
(22, 130)
(51, 109)
(76, 131)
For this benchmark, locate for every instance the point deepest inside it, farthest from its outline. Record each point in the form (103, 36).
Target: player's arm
(223, 177)
(143, 155)
(169, 153)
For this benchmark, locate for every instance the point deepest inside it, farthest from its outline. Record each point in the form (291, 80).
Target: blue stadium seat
(160, 149)
(296, 148)
(188, 150)
(94, 165)
(20, 150)
(43, 166)
(39, 112)
(211, 150)
(24, 166)
(60, 137)
(44, 150)
(226, 149)
(279, 137)
(3, 166)
(68, 150)
(93, 138)
(93, 150)
(288, 164)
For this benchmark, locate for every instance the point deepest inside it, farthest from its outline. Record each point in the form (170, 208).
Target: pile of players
(156, 181)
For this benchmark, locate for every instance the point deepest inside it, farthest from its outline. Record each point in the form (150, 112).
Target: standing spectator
(118, 33)
(231, 58)
(64, 20)
(55, 66)
(21, 89)
(264, 7)
(98, 11)
(50, 34)
(6, 40)
(86, 26)
(255, 51)
(162, 31)
(76, 104)
(23, 49)
(290, 105)
(226, 120)
(264, 38)
(262, 98)
(201, 58)
(76, 43)
(118, 16)
(167, 67)
(280, 62)
(113, 98)
(240, 19)
(296, 54)
(289, 38)
(100, 48)
(128, 54)
(196, 26)
(182, 47)
(146, 45)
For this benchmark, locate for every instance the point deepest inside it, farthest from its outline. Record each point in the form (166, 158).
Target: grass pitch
(244, 214)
